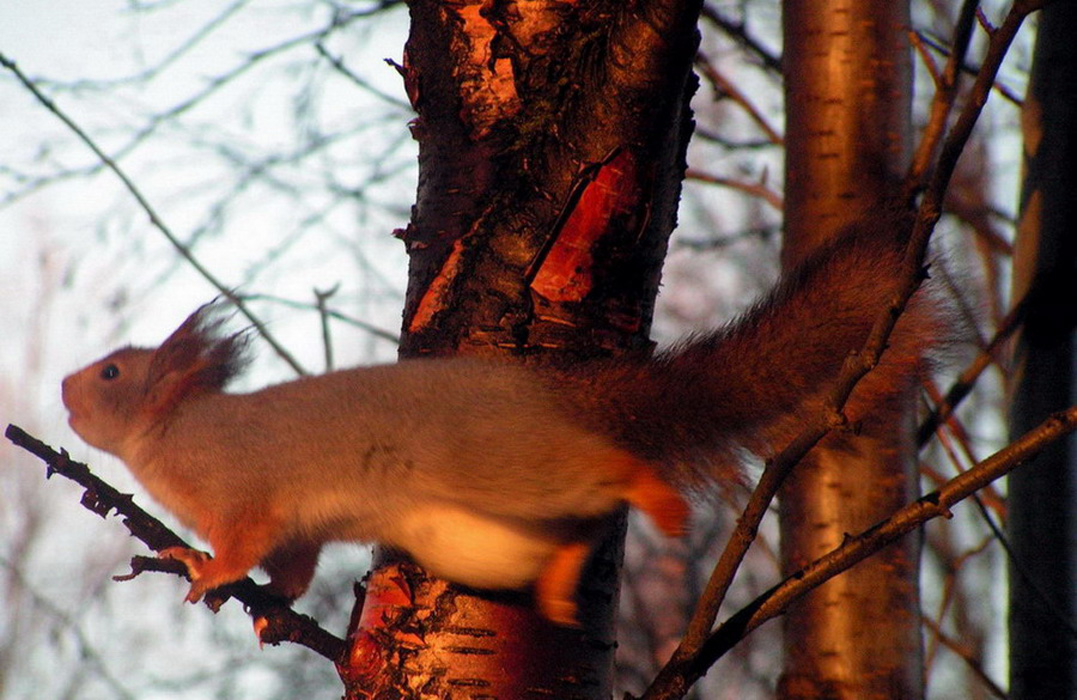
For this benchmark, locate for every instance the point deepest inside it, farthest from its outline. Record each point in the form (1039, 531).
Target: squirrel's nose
(65, 392)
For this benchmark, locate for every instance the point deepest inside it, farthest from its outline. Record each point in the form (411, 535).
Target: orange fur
(660, 501)
(493, 475)
(194, 359)
(556, 587)
(696, 409)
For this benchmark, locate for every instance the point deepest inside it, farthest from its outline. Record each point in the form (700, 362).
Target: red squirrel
(492, 474)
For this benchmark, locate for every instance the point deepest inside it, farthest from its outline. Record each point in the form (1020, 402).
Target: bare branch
(338, 65)
(857, 548)
(963, 653)
(723, 87)
(323, 315)
(370, 328)
(945, 91)
(967, 379)
(86, 649)
(150, 72)
(282, 623)
(933, 42)
(739, 33)
(225, 291)
(756, 189)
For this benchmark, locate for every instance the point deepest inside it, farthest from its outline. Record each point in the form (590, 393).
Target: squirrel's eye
(110, 372)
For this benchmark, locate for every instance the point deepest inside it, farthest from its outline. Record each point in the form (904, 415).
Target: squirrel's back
(454, 430)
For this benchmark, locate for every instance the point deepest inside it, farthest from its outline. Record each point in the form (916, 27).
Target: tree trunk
(848, 86)
(552, 138)
(1043, 496)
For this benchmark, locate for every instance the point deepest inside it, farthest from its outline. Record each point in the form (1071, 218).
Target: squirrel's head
(132, 389)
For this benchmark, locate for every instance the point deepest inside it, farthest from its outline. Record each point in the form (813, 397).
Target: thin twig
(965, 382)
(151, 72)
(970, 661)
(724, 87)
(952, 597)
(957, 438)
(370, 328)
(1004, 91)
(739, 33)
(158, 223)
(929, 61)
(85, 646)
(321, 298)
(756, 189)
(338, 65)
(211, 87)
(945, 94)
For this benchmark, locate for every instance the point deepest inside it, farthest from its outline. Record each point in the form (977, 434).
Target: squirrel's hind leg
(291, 569)
(555, 590)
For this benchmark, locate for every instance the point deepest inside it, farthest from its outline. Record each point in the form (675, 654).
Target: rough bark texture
(551, 149)
(1043, 497)
(847, 73)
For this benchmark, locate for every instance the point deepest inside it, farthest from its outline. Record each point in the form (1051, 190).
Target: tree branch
(738, 31)
(970, 661)
(857, 548)
(945, 92)
(724, 87)
(965, 382)
(904, 521)
(281, 622)
(755, 189)
(158, 223)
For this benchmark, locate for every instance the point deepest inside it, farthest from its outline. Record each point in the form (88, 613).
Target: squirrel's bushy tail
(748, 385)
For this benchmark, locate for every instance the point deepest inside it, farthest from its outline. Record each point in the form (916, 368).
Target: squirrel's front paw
(196, 562)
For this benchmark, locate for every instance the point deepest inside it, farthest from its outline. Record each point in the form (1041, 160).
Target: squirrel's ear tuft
(196, 358)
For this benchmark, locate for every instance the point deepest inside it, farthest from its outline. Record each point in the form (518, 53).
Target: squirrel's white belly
(472, 549)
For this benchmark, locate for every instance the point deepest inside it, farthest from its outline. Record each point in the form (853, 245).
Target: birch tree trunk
(848, 86)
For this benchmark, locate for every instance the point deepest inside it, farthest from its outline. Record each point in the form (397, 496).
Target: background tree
(1043, 638)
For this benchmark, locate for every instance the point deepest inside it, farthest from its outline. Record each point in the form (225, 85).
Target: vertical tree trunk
(1043, 496)
(551, 140)
(847, 80)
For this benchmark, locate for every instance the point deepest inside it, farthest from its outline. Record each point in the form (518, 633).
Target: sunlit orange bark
(848, 141)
